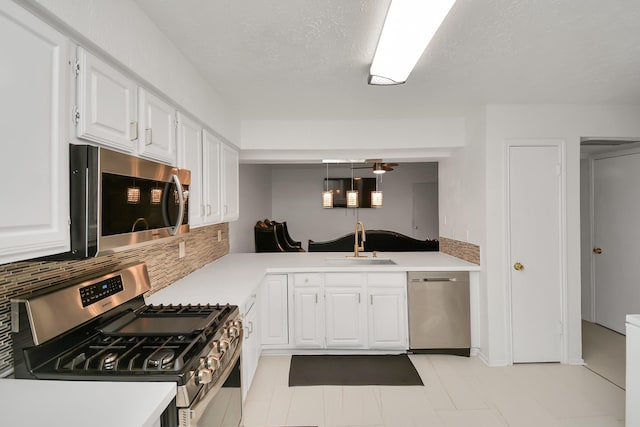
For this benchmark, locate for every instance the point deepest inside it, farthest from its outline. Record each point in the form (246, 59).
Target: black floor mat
(352, 370)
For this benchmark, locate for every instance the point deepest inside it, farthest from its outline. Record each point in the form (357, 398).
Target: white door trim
(537, 142)
(592, 219)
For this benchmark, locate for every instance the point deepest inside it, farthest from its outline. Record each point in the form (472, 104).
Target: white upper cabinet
(34, 82)
(106, 104)
(230, 188)
(211, 186)
(156, 128)
(190, 157)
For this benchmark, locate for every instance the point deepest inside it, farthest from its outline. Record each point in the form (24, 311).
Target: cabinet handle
(358, 298)
(316, 298)
(149, 136)
(250, 328)
(133, 130)
(208, 210)
(371, 299)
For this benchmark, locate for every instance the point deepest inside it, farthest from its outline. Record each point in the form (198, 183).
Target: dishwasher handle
(435, 279)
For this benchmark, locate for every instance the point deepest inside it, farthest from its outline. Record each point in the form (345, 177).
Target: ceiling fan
(378, 166)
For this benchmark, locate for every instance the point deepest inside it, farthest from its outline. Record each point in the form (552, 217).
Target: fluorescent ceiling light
(407, 30)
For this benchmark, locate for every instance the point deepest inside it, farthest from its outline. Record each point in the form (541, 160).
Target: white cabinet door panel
(34, 82)
(309, 319)
(273, 310)
(107, 104)
(345, 316)
(230, 187)
(387, 318)
(157, 127)
(211, 197)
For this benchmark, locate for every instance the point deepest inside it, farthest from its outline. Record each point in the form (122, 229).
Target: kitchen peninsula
(234, 277)
(288, 299)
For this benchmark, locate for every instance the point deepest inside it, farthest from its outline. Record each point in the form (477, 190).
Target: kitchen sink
(346, 261)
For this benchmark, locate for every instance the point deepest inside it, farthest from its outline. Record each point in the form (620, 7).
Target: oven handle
(190, 416)
(181, 202)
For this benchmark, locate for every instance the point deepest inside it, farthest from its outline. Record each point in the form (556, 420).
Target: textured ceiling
(290, 59)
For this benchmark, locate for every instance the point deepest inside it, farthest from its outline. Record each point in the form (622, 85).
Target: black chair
(273, 236)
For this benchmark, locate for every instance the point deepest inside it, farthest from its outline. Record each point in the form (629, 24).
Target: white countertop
(234, 277)
(633, 319)
(38, 403)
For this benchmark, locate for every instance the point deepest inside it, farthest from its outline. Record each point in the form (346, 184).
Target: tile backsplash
(164, 265)
(463, 250)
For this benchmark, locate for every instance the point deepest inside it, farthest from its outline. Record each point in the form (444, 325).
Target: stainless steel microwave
(120, 201)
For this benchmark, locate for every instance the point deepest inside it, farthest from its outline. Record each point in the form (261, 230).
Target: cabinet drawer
(391, 279)
(308, 279)
(344, 278)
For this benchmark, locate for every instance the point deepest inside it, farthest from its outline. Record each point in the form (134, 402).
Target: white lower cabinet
(274, 315)
(350, 311)
(308, 320)
(251, 343)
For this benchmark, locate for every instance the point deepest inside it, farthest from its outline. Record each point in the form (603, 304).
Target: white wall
(585, 239)
(566, 122)
(123, 31)
(297, 199)
(362, 138)
(462, 201)
(255, 205)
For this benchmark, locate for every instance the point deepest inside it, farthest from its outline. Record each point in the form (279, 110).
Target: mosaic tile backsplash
(163, 263)
(463, 250)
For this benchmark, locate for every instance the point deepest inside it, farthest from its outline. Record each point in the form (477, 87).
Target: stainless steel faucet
(359, 247)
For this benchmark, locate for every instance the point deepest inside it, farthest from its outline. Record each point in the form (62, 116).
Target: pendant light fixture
(352, 195)
(327, 196)
(133, 194)
(376, 196)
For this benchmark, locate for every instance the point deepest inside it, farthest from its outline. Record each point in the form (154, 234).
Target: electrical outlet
(181, 249)
(219, 235)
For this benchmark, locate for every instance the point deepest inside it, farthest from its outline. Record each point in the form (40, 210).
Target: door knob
(597, 251)
(518, 266)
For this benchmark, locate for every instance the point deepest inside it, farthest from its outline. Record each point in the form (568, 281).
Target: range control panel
(100, 290)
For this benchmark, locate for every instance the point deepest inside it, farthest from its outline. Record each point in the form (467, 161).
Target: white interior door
(535, 246)
(616, 212)
(425, 211)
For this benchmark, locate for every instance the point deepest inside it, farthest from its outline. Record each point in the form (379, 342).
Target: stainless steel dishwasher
(439, 319)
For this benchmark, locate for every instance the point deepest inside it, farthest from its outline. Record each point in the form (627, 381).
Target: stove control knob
(222, 345)
(212, 362)
(204, 376)
(233, 332)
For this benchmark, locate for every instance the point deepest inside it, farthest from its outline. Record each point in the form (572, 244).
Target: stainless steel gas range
(100, 329)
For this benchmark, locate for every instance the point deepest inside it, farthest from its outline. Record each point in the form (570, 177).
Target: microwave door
(174, 203)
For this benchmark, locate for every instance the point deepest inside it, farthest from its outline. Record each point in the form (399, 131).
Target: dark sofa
(376, 240)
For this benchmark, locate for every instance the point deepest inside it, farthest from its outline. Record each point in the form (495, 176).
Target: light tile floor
(458, 391)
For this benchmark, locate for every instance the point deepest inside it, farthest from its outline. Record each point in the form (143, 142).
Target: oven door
(222, 403)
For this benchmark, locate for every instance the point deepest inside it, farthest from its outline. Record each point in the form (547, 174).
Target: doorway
(536, 245)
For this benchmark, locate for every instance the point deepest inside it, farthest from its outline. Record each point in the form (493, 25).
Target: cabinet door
(308, 313)
(230, 188)
(274, 320)
(387, 318)
(106, 103)
(250, 348)
(34, 106)
(157, 129)
(345, 316)
(190, 157)
(211, 210)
